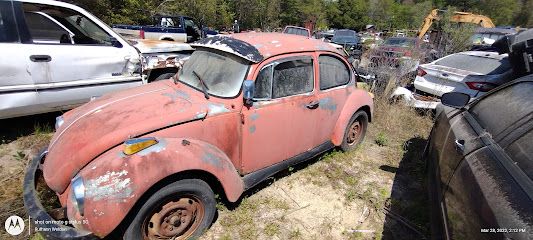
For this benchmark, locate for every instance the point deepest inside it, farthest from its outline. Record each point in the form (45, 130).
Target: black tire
(189, 193)
(349, 142)
(164, 76)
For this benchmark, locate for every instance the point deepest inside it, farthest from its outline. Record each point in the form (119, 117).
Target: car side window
(522, 153)
(292, 78)
(333, 72)
(44, 30)
(8, 28)
(502, 109)
(57, 25)
(263, 84)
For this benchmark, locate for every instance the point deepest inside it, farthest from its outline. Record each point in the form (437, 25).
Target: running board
(252, 179)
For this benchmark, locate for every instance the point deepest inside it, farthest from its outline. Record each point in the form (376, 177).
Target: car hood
(102, 124)
(157, 46)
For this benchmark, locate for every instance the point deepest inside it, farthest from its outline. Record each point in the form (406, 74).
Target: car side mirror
(248, 89)
(455, 99)
(115, 42)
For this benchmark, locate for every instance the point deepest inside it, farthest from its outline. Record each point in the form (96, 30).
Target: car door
(489, 194)
(334, 76)
(282, 121)
(77, 58)
(14, 73)
(18, 74)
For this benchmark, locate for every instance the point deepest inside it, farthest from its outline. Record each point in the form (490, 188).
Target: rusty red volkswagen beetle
(149, 160)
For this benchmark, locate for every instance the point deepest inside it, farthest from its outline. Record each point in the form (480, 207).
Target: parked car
(168, 28)
(480, 165)
(349, 40)
(472, 72)
(226, 122)
(56, 56)
(404, 52)
(483, 38)
(301, 31)
(325, 36)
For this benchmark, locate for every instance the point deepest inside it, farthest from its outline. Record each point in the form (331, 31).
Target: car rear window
(402, 42)
(477, 64)
(296, 31)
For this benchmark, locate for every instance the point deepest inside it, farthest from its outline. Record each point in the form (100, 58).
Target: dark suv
(480, 162)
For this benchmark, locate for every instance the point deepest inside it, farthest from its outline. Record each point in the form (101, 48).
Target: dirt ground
(374, 192)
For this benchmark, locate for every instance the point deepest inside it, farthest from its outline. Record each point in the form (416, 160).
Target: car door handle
(40, 58)
(460, 146)
(313, 105)
(445, 75)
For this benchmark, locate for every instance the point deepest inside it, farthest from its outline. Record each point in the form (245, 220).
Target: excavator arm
(458, 17)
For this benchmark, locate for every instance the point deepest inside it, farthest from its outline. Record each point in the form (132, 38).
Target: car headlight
(59, 122)
(78, 194)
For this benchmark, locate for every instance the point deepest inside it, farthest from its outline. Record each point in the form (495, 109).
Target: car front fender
(358, 100)
(114, 182)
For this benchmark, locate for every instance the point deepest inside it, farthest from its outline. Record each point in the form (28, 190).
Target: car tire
(355, 131)
(164, 76)
(185, 208)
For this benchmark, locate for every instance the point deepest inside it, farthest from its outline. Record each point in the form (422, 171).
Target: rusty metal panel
(114, 182)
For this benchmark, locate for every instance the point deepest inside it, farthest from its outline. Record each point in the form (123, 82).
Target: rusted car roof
(257, 46)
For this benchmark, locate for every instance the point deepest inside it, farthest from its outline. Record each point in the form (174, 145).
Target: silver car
(56, 56)
(473, 73)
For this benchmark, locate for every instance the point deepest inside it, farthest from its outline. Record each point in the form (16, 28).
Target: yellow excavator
(458, 17)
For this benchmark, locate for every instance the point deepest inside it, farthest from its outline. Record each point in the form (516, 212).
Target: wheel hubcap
(175, 219)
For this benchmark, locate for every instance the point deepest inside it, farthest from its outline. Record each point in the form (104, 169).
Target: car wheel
(181, 210)
(164, 76)
(355, 131)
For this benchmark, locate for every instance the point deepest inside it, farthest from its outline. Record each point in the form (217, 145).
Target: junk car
(150, 159)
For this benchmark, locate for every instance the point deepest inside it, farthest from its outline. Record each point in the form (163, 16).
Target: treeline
(271, 14)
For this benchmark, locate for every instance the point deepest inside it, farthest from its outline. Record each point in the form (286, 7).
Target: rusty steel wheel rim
(354, 132)
(175, 219)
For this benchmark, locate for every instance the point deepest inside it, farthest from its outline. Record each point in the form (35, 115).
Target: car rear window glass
(296, 31)
(504, 108)
(8, 29)
(263, 84)
(293, 77)
(477, 64)
(333, 72)
(522, 153)
(402, 42)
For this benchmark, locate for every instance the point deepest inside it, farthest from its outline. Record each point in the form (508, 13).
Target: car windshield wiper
(204, 86)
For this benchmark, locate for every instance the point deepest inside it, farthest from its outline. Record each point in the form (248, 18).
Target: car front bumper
(45, 224)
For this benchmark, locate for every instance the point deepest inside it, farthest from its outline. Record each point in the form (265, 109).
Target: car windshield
(222, 73)
(477, 64)
(401, 42)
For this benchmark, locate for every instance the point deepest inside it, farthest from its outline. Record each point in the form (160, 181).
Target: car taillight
(421, 72)
(408, 53)
(141, 34)
(481, 86)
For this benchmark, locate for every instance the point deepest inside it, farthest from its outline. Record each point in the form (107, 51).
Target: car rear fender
(358, 100)
(115, 182)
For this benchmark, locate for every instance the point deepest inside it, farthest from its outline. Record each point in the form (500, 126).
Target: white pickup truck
(56, 56)
(167, 27)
